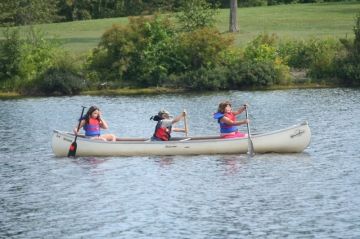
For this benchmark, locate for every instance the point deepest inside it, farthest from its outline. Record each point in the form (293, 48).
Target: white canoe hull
(290, 140)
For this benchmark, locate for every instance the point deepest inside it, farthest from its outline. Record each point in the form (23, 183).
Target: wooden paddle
(250, 143)
(73, 146)
(185, 124)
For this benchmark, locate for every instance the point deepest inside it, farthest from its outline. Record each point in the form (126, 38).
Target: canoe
(293, 139)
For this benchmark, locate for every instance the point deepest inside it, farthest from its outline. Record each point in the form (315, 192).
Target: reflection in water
(232, 163)
(91, 161)
(164, 161)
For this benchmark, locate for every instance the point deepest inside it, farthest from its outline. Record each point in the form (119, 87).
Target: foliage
(203, 79)
(347, 68)
(62, 78)
(22, 61)
(262, 48)
(137, 53)
(315, 55)
(56, 81)
(253, 3)
(202, 48)
(25, 12)
(148, 51)
(91, 9)
(10, 55)
(37, 55)
(322, 62)
(260, 53)
(247, 74)
(195, 14)
(264, 54)
(303, 53)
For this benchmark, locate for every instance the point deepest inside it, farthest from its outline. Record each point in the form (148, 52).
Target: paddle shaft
(185, 124)
(73, 146)
(250, 143)
(78, 127)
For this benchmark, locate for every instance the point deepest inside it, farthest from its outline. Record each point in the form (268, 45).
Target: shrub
(253, 3)
(57, 81)
(203, 79)
(63, 78)
(349, 73)
(347, 67)
(203, 48)
(22, 61)
(137, 53)
(196, 14)
(250, 74)
(10, 56)
(262, 55)
(313, 53)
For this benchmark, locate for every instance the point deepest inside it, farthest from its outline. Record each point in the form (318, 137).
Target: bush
(263, 66)
(196, 14)
(347, 66)
(315, 54)
(10, 56)
(136, 54)
(253, 3)
(22, 61)
(203, 79)
(57, 82)
(203, 48)
(249, 74)
(348, 72)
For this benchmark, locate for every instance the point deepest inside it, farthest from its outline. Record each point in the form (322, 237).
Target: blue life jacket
(92, 128)
(225, 128)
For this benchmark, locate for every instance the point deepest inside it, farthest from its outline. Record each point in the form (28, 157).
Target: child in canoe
(92, 122)
(227, 120)
(164, 124)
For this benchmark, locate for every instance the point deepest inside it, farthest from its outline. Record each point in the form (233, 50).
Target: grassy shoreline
(299, 21)
(163, 90)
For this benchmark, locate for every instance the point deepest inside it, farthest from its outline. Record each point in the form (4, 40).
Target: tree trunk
(233, 26)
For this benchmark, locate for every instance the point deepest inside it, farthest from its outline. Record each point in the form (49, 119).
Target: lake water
(314, 194)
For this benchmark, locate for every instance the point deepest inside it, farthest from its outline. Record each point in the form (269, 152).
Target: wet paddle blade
(250, 143)
(72, 149)
(251, 148)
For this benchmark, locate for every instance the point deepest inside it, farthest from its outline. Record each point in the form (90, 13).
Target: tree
(233, 25)
(196, 14)
(7, 13)
(25, 12)
(10, 54)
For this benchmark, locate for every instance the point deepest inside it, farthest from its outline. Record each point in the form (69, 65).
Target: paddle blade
(72, 149)
(251, 148)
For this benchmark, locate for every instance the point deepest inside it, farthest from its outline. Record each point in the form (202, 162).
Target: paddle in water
(250, 143)
(73, 146)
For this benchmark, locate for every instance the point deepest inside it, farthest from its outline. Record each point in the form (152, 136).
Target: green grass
(296, 21)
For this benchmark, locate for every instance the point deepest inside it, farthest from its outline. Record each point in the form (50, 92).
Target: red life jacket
(92, 128)
(161, 132)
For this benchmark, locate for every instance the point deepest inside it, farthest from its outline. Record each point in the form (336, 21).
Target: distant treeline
(25, 12)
